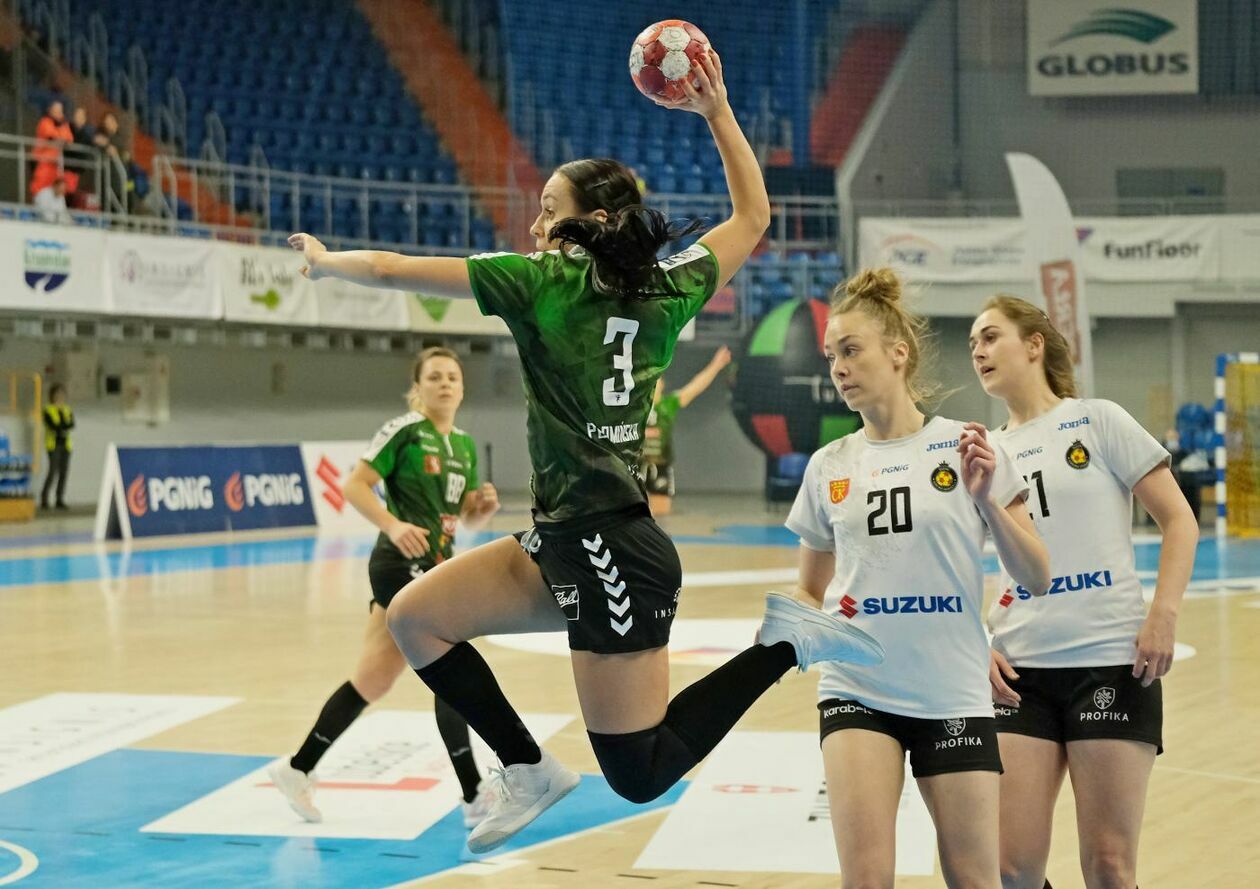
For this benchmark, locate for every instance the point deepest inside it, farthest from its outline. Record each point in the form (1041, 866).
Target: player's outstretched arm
(436, 275)
(701, 381)
(734, 240)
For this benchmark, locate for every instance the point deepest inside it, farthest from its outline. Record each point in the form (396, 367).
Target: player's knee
(1020, 875)
(860, 878)
(1109, 868)
(628, 764)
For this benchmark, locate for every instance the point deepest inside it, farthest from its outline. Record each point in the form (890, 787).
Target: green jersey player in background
(429, 470)
(657, 466)
(595, 318)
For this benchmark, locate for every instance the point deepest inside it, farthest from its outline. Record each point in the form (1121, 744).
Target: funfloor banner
(1138, 249)
(264, 285)
(162, 277)
(155, 491)
(51, 268)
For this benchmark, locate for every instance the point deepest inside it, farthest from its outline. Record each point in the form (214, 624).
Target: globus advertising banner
(1087, 48)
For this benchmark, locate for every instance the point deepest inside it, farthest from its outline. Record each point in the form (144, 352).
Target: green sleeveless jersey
(590, 364)
(658, 442)
(426, 476)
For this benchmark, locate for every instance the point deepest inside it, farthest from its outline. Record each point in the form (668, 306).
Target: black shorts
(936, 746)
(1064, 704)
(659, 479)
(617, 581)
(389, 571)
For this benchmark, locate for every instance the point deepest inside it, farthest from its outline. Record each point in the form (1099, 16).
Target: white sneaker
(521, 793)
(479, 808)
(816, 635)
(298, 788)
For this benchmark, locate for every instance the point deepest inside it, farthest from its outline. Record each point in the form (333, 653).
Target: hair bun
(880, 284)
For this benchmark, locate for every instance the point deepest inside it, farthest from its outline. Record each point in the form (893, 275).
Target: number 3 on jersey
(622, 361)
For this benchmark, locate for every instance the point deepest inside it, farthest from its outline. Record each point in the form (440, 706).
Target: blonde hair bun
(880, 284)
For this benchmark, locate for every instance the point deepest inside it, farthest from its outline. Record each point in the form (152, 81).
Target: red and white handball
(662, 55)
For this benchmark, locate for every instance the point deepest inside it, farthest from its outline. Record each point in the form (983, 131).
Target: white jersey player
(892, 520)
(1075, 673)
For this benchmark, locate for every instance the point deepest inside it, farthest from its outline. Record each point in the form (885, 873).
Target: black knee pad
(640, 766)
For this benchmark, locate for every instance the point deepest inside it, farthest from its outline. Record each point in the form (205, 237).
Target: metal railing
(104, 182)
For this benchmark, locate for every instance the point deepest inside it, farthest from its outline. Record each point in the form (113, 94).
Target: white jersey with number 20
(907, 539)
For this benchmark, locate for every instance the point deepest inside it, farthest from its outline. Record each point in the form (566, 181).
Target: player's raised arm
(734, 240)
(437, 275)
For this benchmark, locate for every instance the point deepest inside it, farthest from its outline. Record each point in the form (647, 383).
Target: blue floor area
(21, 542)
(84, 823)
(1223, 560)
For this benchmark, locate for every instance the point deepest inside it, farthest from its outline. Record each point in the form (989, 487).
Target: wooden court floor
(281, 636)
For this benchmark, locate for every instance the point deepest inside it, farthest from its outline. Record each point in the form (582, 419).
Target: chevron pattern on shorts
(618, 600)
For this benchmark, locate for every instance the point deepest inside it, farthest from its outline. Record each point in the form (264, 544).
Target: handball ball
(662, 55)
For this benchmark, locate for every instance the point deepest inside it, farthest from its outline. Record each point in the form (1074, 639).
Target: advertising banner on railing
(1087, 48)
(147, 492)
(263, 285)
(1151, 248)
(162, 277)
(342, 304)
(942, 249)
(1148, 248)
(461, 316)
(52, 268)
(1240, 248)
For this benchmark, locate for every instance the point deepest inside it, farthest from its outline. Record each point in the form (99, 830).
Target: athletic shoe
(298, 788)
(476, 811)
(520, 793)
(816, 635)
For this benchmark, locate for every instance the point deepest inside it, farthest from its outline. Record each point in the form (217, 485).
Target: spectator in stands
(84, 132)
(109, 138)
(54, 132)
(86, 149)
(50, 203)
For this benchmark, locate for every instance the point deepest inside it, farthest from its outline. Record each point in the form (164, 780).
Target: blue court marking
(1214, 561)
(45, 540)
(84, 826)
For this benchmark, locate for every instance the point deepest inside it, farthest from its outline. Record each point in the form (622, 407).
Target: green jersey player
(428, 468)
(595, 318)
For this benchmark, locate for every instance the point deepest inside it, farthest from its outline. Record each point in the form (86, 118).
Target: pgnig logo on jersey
(1077, 455)
(944, 478)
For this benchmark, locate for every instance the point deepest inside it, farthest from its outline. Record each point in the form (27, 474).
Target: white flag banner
(342, 304)
(1090, 48)
(940, 249)
(162, 277)
(443, 315)
(1055, 252)
(328, 466)
(1151, 248)
(51, 268)
(263, 285)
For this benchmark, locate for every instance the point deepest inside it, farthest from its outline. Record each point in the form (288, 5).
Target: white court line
(1220, 776)
(27, 863)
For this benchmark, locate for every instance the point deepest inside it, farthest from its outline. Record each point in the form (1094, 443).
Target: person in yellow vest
(58, 421)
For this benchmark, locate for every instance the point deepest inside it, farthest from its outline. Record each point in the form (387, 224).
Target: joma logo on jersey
(1071, 583)
(616, 434)
(913, 605)
(942, 445)
(1031, 452)
(1072, 424)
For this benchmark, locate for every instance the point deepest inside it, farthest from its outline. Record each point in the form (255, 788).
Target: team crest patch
(1104, 697)
(944, 478)
(839, 490)
(955, 726)
(432, 464)
(567, 598)
(1077, 455)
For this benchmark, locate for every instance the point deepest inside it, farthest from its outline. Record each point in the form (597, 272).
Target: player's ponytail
(1057, 353)
(623, 248)
(878, 293)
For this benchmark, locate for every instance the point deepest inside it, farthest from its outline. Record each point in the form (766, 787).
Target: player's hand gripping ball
(662, 55)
